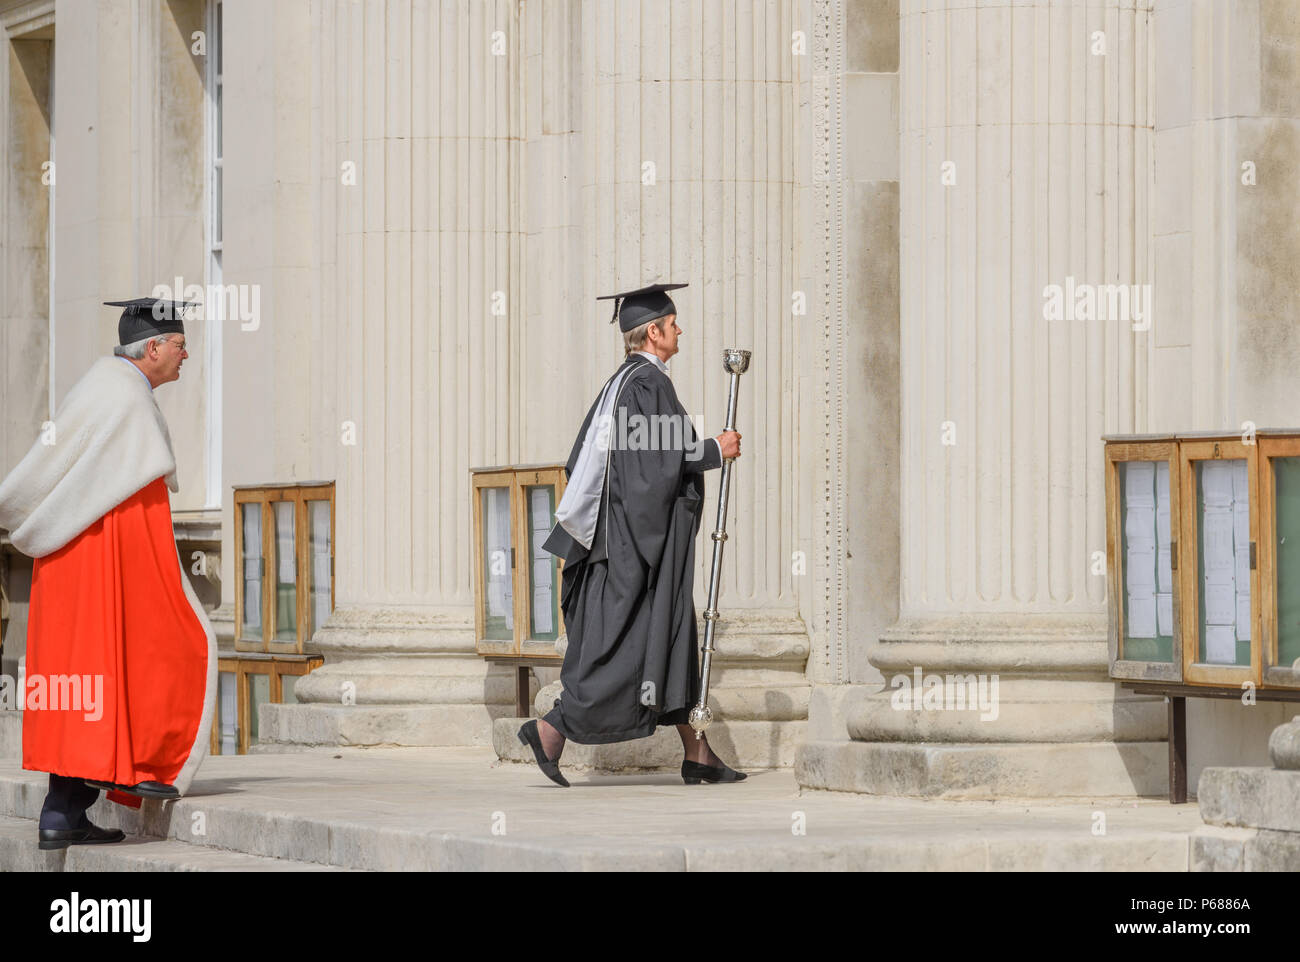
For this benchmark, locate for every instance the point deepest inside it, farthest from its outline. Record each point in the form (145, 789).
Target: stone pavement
(462, 809)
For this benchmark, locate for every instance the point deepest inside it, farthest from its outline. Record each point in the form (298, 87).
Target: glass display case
(516, 581)
(284, 556)
(245, 683)
(1203, 559)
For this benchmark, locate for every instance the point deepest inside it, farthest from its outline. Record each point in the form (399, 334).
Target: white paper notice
(1140, 524)
(1165, 613)
(1241, 525)
(1220, 605)
(1240, 482)
(1141, 512)
(1139, 483)
(1141, 572)
(1217, 536)
(1216, 483)
(1241, 573)
(1225, 558)
(1142, 617)
(1164, 558)
(1220, 645)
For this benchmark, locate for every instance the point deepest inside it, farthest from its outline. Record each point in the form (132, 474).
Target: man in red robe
(120, 680)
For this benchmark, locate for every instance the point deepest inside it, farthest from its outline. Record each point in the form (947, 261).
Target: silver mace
(736, 363)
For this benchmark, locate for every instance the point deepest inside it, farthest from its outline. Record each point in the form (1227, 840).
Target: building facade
(416, 203)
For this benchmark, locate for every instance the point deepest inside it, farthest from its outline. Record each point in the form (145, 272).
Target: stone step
(18, 853)
(1251, 797)
(1217, 848)
(986, 771)
(447, 809)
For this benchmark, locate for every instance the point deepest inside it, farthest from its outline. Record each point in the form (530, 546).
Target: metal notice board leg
(1177, 750)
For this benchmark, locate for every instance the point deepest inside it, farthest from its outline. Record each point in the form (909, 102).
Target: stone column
(415, 170)
(1024, 141)
(688, 116)
(1226, 241)
(26, 126)
(848, 203)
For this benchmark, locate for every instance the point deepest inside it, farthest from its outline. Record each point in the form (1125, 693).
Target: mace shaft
(736, 362)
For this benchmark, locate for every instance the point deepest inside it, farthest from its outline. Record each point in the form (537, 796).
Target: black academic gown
(633, 658)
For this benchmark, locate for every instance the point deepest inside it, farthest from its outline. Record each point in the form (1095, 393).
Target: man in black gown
(626, 531)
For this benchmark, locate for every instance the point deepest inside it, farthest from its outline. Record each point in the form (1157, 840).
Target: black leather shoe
(92, 834)
(528, 735)
(151, 790)
(693, 773)
(104, 786)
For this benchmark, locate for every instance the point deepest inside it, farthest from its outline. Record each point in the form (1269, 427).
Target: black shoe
(528, 736)
(693, 773)
(92, 834)
(151, 790)
(104, 786)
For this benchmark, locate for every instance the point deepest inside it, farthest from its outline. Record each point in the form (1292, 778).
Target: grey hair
(635, 339)
(135, 350)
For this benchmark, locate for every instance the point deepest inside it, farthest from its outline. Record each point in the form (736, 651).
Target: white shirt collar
(654, 357)
(127, 360)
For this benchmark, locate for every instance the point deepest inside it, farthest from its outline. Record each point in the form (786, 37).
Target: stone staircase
(18, 853)
(460, 809)
(1252, 815)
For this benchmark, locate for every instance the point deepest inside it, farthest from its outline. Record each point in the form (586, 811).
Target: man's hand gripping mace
(737, 363)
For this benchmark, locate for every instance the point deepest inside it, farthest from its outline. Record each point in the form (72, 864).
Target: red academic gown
(111, 602)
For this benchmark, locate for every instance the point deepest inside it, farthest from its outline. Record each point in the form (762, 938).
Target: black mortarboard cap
(148, 317)
(634, 308)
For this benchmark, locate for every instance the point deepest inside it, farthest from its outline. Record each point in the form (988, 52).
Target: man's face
(665, 341)
(166, 357)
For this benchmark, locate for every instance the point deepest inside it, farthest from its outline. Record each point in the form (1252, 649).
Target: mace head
(735, 361)
(700, 718)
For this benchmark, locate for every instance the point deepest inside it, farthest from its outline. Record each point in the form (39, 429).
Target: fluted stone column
(689, 177)
(1024, 139)
(683, 112)
(415, 170)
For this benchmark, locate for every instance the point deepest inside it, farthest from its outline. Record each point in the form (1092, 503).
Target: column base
(393, 676)
(986, 707)
(378, 726)
(986, 771)
(758, 693)
(745, 745)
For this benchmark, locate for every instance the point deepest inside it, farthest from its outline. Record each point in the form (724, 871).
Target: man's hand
(729, 441)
